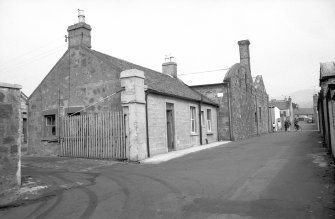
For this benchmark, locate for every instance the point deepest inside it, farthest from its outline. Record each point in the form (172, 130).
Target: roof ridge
(152, 82)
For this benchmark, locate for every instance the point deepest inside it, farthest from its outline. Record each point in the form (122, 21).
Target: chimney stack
(79, 34)
(169, 67)
(244, 53)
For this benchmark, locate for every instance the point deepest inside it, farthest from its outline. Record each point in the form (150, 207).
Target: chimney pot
(170, 68)
(81, 16)
(79, 34)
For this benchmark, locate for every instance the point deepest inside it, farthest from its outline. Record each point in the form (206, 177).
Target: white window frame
(209, 120)
(193, 120)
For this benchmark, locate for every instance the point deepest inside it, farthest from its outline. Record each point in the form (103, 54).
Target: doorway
(170, 126)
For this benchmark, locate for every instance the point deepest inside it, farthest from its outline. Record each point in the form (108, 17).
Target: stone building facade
(243, 110)
(10, 137)
(82, 77)
(263, 121)
(326, 104)
(315, 110)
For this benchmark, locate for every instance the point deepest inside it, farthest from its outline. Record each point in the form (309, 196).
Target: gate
(101, 136)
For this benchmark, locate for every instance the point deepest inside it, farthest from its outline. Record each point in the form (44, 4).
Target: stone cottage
(286, 109)
(243, 103)
(326, 104)
(176, 116)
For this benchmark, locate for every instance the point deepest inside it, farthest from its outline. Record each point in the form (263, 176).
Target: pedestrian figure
(287, 124)
(296, 125)
(279, 125)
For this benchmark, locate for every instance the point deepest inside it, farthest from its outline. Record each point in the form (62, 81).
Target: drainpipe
(328, 124)
(269, 119)
(200, 126)
(256, 115)
(146, 121)
(217, 123)
(229, 111)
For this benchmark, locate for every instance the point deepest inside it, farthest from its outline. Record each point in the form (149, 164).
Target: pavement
(277, 175)
(175, 154)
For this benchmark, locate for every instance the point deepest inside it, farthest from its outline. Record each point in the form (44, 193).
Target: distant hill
(304, 98)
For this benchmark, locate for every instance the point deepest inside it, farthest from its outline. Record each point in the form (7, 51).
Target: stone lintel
(132, 73)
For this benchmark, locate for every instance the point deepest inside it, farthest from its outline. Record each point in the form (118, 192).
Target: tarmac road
(278, 175)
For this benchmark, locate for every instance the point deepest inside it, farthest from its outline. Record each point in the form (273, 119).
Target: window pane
(193, 114)
(50, 125)
(202, 118)
(209, 114)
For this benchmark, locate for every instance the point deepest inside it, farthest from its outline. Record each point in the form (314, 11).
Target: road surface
(278, 175)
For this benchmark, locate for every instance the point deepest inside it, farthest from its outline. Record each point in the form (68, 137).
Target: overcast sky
(288, 39)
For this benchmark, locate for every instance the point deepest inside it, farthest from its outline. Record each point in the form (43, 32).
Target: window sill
(194, 134)
(210, 133)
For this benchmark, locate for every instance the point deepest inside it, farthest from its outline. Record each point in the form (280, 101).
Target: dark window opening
(49, 125)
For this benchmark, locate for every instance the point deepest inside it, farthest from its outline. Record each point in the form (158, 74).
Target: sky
(288, 38)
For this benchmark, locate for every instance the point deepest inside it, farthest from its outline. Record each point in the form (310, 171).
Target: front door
(170, 126)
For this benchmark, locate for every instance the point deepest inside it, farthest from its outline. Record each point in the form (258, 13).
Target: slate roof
(281, 104)
(327, 69)
(156, 81)
(304, 111)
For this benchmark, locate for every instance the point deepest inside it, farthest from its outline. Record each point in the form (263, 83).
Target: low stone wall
(10, 137)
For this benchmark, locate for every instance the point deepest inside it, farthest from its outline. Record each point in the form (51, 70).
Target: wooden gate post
(133, 103)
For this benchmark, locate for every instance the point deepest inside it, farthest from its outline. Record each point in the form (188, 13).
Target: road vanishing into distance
(277, 175)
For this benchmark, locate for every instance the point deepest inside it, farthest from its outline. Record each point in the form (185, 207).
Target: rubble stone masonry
(10, 137)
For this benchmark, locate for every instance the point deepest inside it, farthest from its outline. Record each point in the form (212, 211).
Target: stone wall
(183, 137)
(326, 125)
(10, 137)
(242, 102)
(78, 79)
(331, 111)
(219, 94)
(243, 107)
(262, 106)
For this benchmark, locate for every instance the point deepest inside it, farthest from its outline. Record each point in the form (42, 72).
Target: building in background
(286, 109)
(316, 113)
(243, 102)
(304, 114)
(275, 117)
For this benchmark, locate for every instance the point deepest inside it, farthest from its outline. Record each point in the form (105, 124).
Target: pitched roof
(281, 104)
(327, 69)
(304, 111)
(157, 81)
(259, 83)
